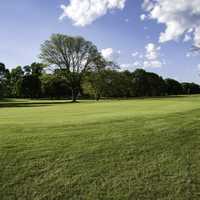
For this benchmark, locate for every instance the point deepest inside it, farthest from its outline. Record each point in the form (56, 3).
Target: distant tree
(55, 87)
(72, 55)
(156, 85)
(17, 73)
(16, 76)
(140, 83)
(93, 81)
(191, 88)
(35, 69)
(4, 81)
(27, 70)
(173, 87)
(118, 84)
(127, 78)
(93, 84)
(29, 86)
(110, 83)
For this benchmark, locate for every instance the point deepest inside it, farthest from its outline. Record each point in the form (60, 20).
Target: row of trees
(34, 82)
(76, 68)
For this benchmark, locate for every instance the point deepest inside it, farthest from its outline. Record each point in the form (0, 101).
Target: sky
(156, 35)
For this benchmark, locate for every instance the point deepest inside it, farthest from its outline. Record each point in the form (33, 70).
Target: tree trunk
(97, 97)
(74, 95)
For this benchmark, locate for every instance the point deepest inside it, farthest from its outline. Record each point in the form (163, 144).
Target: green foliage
(32, 81)
(94, 84)
(72, 55)
(190, 88)
(55, 87)
(112, 83)
(4, 81)
(35, 69)
(16, 77)
(29, 86)
(131, 149)
(117, 84)
(173, 87)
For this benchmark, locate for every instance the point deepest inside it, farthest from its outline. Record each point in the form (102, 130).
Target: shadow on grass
(14, 104)
(151, 97)
(11, 103)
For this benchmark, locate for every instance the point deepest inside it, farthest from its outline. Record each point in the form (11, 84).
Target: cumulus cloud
(84, 12)
(110, 55)
(179, 16)
(149, 58)
(152, 56)
(152, 51)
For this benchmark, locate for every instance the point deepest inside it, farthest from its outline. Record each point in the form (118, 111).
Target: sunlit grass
(128, 149)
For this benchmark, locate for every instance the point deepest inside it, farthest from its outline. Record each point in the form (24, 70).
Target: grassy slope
(131, 149)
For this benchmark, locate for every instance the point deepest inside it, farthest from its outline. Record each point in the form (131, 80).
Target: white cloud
(187, 38)
(110, 55)
(179, 16)
(152, 56)
(143, 17)
(135, 54)
(131, 66)
(84, 12)
(152, 64)
(152, 51)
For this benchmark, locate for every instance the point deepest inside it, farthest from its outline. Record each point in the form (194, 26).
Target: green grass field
(145, 149)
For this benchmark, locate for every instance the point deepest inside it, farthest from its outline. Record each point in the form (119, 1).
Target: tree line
(73, 68)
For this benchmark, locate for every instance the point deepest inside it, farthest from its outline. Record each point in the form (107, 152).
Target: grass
(131, 149)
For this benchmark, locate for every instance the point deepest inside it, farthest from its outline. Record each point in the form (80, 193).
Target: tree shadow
(12, 103)
(15, 104)
(165, 97)
(150, 97)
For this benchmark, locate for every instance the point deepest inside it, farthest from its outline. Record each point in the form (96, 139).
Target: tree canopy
(73, 56)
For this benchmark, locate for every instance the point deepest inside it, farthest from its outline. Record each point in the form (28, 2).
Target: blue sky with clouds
(116, 29)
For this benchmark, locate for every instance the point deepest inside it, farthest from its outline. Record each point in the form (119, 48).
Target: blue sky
(25, 24)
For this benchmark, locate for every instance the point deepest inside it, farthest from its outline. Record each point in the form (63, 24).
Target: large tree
(73, 56)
